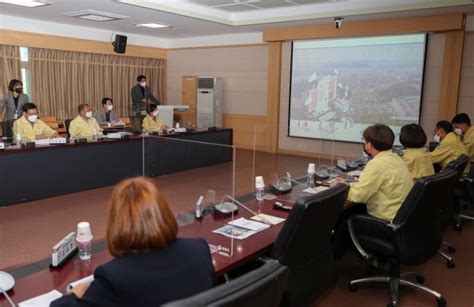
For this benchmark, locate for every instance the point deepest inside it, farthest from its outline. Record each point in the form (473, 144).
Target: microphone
(235, 201)
(284, 184)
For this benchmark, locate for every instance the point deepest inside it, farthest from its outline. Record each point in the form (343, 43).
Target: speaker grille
(206, 83)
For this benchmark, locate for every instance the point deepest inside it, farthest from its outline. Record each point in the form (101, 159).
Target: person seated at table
(416, 157)
(29, 127)
(84, 125)
(450, 146)
(463, 128)
(382, 186)
(152, 122)
(106, 114)
(151, 265)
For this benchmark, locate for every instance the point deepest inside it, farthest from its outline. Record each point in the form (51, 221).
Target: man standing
(142, 96)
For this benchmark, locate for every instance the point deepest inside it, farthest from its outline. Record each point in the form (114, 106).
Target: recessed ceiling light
(27, 3)
(95, 15)
(151, 25)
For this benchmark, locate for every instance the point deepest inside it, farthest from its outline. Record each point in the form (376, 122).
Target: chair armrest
(364, 218)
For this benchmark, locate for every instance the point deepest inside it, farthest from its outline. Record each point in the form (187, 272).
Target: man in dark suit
(142, 96)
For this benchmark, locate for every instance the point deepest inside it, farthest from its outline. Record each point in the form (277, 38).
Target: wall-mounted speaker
(120, 43)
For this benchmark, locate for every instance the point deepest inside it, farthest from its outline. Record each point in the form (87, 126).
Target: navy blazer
(182, 269)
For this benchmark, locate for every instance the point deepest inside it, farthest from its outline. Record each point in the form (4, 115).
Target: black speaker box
(120, 43)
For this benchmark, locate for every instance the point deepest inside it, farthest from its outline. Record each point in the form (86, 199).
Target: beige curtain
(9, 67)
(61, 80)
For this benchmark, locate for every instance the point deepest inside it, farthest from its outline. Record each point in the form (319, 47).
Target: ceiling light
(94, 15)
(151, 25)
(27, 3)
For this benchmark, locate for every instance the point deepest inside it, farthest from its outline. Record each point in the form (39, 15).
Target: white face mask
(89, 114)
(110, 107)
(33, 118)
(142, 84)
(436, 138)
(458, 131)
(155, 113)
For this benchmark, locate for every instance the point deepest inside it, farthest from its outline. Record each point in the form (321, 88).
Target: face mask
(110, 108)
(458, 131)
(89, 114)
(155, 113)
(363, 147)
(19, 90)
(142, 84)
(436, 138)
(32, 118)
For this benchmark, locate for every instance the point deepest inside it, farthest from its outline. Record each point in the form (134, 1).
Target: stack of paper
(42, 300)
(241, 228)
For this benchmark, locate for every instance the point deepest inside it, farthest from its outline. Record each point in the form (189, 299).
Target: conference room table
(45, 171)
(243, 250)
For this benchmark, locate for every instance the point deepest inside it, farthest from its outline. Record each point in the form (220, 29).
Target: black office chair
(464, 196)
(7, 131)
(261, 287)
(304, 245)
(412, 238)
(67, 123)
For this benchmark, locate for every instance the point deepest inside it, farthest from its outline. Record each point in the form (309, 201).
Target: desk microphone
(199, 207)
(235, 201)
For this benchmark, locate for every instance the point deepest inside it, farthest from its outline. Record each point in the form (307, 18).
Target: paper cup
(311, 168)
(259, 182)
(83, 232)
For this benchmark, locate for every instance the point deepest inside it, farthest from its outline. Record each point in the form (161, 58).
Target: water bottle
(199, 207)
(84, 240)
(310, 177)
(94, 134)
(259, 188)
(18, 140)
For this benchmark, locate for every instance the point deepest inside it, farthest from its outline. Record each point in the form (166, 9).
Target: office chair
(412, 238)
(136, 123)
(67, 123)
(261, 287)
(7, 131)
(464, 195)
(304, 245)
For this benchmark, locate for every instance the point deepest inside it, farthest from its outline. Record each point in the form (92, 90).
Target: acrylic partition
(307, 168)
(196, 177)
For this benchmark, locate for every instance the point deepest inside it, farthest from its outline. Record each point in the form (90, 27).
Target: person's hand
(338, 180)
(80, 289)
(144, 100)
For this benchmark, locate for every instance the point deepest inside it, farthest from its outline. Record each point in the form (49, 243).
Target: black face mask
(19, 90)
(363, 147)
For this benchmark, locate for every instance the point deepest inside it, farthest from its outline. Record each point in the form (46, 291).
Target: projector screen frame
(425, 46)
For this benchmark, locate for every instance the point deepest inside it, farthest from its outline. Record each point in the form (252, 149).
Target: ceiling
(191, 18)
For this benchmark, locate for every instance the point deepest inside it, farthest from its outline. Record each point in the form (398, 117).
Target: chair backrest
(136, 123)
(304, 245)
(261, 287)
(67, 123)
(7, 130)
(458, 165)
(419, 237)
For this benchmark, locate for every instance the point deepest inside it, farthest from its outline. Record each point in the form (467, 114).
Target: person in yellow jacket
(152, 122)
(29, 127)
(386, 181)
(450, 146)
(417, 159)
(463, 128)
(84, 125)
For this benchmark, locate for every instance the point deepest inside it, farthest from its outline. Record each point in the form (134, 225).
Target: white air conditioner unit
(210, 102)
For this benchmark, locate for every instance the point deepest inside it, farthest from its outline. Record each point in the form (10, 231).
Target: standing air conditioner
(210, 104)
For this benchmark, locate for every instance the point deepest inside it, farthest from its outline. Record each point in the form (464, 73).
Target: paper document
(273, 220)
(248, 224)
(235, 232)
(85, 280)
(42, 300)
(315, 190)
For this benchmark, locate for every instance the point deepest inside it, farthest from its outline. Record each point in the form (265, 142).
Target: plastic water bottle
(84, 240)
(199, 207)
(259, 188)
(18, 140)
(94, 134)
(310, 177)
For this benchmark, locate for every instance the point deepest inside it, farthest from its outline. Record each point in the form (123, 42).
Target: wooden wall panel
(26, 39)
(438, 23)
(248, 129)
(451, 75)
(273, 96)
